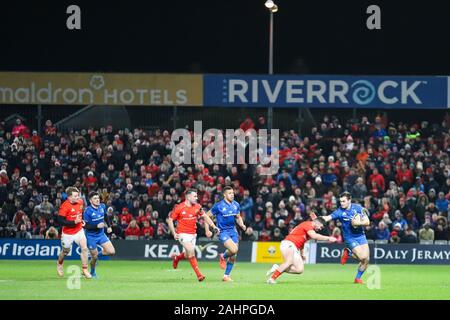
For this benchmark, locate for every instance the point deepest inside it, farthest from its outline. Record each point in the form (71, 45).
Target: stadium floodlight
(271, 6)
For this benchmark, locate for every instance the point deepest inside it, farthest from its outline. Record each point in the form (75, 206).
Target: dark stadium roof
(330, 37)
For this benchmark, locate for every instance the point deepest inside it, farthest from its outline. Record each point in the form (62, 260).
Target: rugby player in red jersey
(292, 248)
(70, 216)
(186, 214)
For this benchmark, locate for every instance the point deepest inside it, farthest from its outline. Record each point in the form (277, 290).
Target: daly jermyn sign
(390, 253)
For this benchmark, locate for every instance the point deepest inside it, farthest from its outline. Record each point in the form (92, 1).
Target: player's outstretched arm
(314, 235)
(208, 232)
(108, 223)
(64, 222)
(333, 216)
(172, 228)
(327, 218)
(210, 223)
(240, 222)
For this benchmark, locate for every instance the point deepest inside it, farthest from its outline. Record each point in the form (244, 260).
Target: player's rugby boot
(201, 278)
(227, 279)
(175, 261)
(60, 269)
(344, 256)
(272, 270)
(222, 261)
(86, 273)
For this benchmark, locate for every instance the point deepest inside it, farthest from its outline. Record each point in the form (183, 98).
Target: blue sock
(229, 267)
(92, 270)
(359, 274)
(225, 255)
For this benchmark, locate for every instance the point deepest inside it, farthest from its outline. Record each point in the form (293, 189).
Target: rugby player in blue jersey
(353, 218)
(94, 216)
(227, 213)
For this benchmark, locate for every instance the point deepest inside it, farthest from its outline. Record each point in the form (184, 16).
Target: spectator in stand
(319, 187)
(431, 209)
(426, 233)
(388, 175)
(52, 233)
(387, 220)
(397, 230)
(409, 236)
(378, 179)
(49, 128)
(370, 231)
(20, 130)
(412, 221)
(421, 207)
(247, 124)
(379, 131)
(261, 124)
(44, 209)
(249, 235)
(310, 192)
(41, 228)
(117, 231)
(36, 140)
(399, 219)
(126, 216)
(147, 230)
(375, 190)
(247, 206)
(132, 229)
(382, 232)
(434, 220)
(404, 175)
(277, 236)
(442, 203)
(441, 229)
(23, 233)
(329, 177)
(359, 190)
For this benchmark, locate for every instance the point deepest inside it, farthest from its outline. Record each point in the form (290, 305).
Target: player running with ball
(353, 218)
(187, 213)
(227, 212)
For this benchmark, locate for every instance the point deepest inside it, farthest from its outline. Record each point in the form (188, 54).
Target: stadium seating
(127, 165)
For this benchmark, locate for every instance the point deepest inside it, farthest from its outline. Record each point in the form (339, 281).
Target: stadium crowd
(400, 172)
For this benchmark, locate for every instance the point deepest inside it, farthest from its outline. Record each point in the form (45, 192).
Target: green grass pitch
(157, 280)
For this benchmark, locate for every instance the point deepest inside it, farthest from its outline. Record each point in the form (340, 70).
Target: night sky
(329, 37)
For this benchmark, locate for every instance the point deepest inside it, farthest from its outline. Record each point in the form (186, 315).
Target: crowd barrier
(256, 252)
